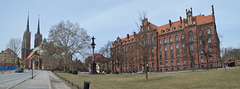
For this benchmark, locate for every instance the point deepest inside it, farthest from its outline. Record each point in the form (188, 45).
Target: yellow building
(8, 57)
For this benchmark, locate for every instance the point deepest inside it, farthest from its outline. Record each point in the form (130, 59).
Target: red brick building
(173, 46)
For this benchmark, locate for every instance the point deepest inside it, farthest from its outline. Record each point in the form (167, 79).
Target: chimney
(191, 9)
(180, 19)
(128, 36)
(134, 33)
(170, 23)
(212, 9)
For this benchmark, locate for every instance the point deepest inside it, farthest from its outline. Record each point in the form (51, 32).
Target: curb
(10, 87)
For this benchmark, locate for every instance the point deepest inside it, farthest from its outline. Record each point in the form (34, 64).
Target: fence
(2, 67)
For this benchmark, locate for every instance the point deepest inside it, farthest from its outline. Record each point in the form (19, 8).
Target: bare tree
(71, 39)
(106, 50)
(143, 45)
(206, 45)
(15, 45)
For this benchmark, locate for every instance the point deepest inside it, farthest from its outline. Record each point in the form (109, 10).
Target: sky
(108, 19)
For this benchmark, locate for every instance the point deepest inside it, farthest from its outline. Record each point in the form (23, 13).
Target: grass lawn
(212, 79)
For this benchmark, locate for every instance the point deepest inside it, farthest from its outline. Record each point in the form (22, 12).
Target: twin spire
(38, 28)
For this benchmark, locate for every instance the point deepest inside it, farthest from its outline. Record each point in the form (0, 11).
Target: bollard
(72, 83)
(86, 85)
(77, 87)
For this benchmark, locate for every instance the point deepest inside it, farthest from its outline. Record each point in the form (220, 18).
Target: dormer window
(168, 30)
(162, 31)
(179, 26)
(173, 28)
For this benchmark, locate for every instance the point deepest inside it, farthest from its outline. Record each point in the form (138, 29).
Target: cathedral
(34, 57)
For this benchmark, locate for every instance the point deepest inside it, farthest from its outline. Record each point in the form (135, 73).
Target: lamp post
(32, 67)
(93, 64)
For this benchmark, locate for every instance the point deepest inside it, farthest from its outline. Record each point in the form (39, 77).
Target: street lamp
(32, 66)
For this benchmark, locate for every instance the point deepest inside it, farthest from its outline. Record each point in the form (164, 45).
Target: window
(168, 30)
(209, 40)
(160, 42)
(182, 36)
(201, 50)
(171, 54)
(210, 49)
(171, 47)
(202, 61)
(160, 49)
(152, 39)
(176, 38)
(191, 47)
(162, 31)
(176, 46)
(165, 40)
(200, 42)
(173, 28)
(171, 63)
(210, 59)
(184, 62)
(165, 48)
(166, 64)
(190, 36)
(183, 45)
(200, 33)
(208, 31)
(178, 62)
(179, 26)
(170, 39)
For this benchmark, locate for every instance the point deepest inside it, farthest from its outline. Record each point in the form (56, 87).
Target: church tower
(26, 42)
(38, 36)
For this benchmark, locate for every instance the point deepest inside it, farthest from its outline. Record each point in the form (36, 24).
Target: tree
(206, 45)
(71, 39)
(143, 45)
(15, 45)
(106, 51)
(189, 48)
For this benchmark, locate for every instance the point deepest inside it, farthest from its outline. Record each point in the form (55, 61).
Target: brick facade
(174, 46)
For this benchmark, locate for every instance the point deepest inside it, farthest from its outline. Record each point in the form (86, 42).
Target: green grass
(213, 79)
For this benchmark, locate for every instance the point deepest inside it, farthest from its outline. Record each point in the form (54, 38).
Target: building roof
(200, 19)
(35, 49)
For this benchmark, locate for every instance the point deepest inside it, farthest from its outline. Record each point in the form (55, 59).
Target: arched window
(176, 38)
(165, 40)
(190, 36)
(182, 36)
(170, 39)
(208, 31)
(200, 33)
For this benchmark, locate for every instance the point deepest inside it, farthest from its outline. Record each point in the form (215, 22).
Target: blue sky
(108, 19)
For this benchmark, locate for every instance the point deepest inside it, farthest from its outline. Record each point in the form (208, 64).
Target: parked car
(19, 70)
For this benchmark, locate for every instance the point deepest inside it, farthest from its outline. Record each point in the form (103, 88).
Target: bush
(70, 71)
(116, 72)
(75, 72)
(108, 72)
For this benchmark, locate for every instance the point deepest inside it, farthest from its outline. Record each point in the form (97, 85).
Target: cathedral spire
(27, 29)
(38, 29)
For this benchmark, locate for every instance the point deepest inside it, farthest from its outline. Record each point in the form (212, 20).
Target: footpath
(43, 80)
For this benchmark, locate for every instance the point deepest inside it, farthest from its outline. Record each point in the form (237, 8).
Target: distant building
(8, 58)
(168, 50)
(102, 63)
